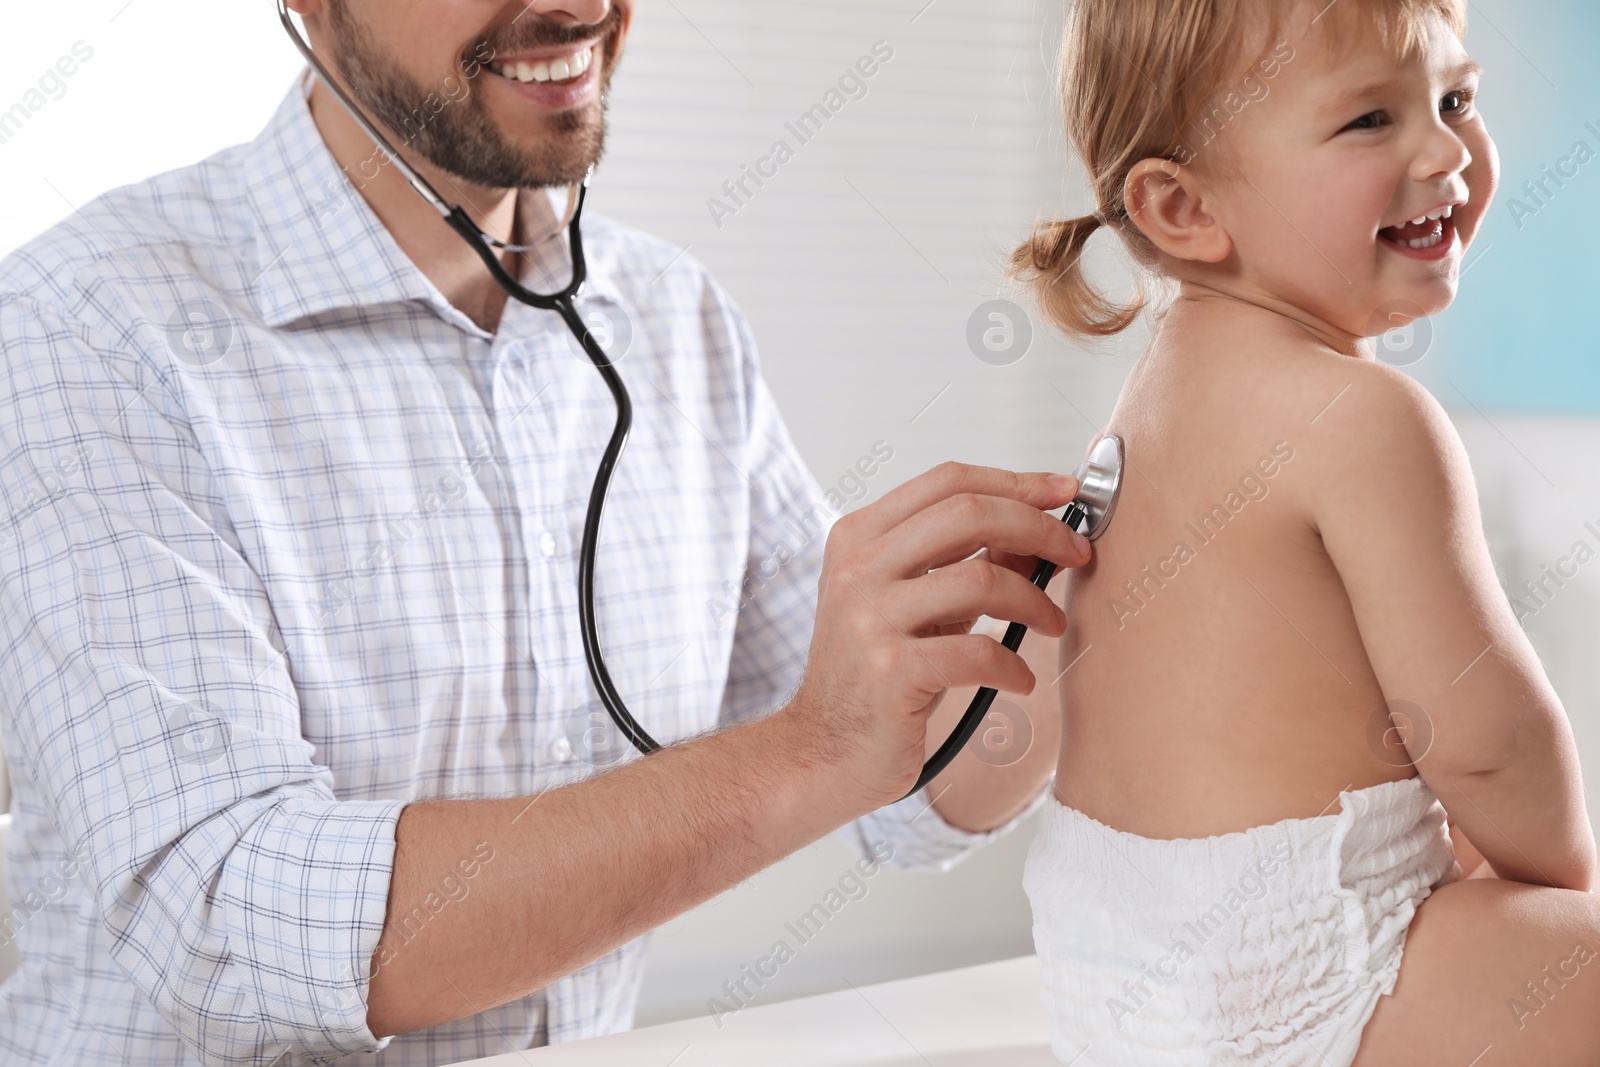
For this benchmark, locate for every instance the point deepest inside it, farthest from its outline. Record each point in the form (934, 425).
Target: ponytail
(1051, 260)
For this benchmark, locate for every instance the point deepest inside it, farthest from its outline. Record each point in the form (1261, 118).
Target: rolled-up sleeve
(790, 518)
(148, 695)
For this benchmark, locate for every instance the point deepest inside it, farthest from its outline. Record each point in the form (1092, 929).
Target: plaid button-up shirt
(286, 541)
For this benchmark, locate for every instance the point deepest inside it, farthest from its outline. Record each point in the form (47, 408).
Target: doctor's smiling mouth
(534, 113)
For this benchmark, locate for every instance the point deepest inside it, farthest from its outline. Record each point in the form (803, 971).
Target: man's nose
(584, 12)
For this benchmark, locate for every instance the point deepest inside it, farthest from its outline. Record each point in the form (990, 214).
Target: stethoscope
(1089, 513)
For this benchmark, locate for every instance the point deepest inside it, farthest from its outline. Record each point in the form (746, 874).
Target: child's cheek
(1348, 207)
(1483, 179)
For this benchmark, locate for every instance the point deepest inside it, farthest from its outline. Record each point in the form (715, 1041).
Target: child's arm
(1392, 494)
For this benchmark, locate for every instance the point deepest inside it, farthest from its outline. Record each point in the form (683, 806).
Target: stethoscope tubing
(983, 699)
(563, 302)
(615, 706)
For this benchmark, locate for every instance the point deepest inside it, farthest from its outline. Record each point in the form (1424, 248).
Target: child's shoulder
(1313, 378)
(1355, 413)
(1285, 378)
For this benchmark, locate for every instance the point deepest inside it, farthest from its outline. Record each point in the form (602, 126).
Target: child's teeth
(1433, 216)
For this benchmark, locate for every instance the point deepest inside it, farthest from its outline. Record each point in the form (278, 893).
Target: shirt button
(561, 750)
(547, 544)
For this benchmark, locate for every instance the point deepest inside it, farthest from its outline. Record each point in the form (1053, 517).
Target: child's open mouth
(1431, 237)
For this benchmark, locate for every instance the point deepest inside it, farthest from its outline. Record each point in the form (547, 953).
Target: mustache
(527, 34)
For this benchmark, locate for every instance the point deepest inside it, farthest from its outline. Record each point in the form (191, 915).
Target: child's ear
(1166, 202)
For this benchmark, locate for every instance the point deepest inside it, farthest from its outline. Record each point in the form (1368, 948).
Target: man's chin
(562, 159)
(555, 150)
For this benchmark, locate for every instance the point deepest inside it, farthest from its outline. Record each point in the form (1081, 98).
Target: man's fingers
(1023, 565)
(953, 529)
(953, 479)
(971, 659)
(965, 590)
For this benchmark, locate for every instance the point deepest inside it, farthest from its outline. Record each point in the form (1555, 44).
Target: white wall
(169, 82)
(862, 262)
(903, 923)
(1539, 484)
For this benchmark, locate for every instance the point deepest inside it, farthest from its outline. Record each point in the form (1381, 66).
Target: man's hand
(900, 591)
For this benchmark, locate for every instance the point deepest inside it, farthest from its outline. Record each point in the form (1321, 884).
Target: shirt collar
(320, 247)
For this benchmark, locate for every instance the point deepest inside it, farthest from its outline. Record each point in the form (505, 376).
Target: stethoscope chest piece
(1100, 484)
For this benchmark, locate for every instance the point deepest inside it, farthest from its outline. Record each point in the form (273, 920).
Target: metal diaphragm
(1100, 481)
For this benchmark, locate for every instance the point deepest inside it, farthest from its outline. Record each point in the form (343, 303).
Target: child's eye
(1370, 121)
(1457, 102)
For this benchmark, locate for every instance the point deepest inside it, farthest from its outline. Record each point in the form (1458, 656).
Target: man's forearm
(580, 870)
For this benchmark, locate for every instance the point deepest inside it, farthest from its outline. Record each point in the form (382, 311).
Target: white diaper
(1269, 946)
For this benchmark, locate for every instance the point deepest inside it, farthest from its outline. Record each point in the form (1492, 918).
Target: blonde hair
(1136, 76)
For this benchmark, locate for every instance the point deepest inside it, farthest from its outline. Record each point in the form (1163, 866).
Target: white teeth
(1433, 216)
(1425, 242)
(558, 70)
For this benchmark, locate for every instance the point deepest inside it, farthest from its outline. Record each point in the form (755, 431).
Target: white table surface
(984, 1016)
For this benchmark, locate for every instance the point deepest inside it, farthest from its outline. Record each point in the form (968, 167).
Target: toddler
(1294, 691)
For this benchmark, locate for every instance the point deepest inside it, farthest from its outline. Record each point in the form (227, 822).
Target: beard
(460, 137)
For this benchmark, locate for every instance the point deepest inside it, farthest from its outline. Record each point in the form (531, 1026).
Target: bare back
(1217, 677)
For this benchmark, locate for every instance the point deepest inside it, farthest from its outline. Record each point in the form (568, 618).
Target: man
(287, 573)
